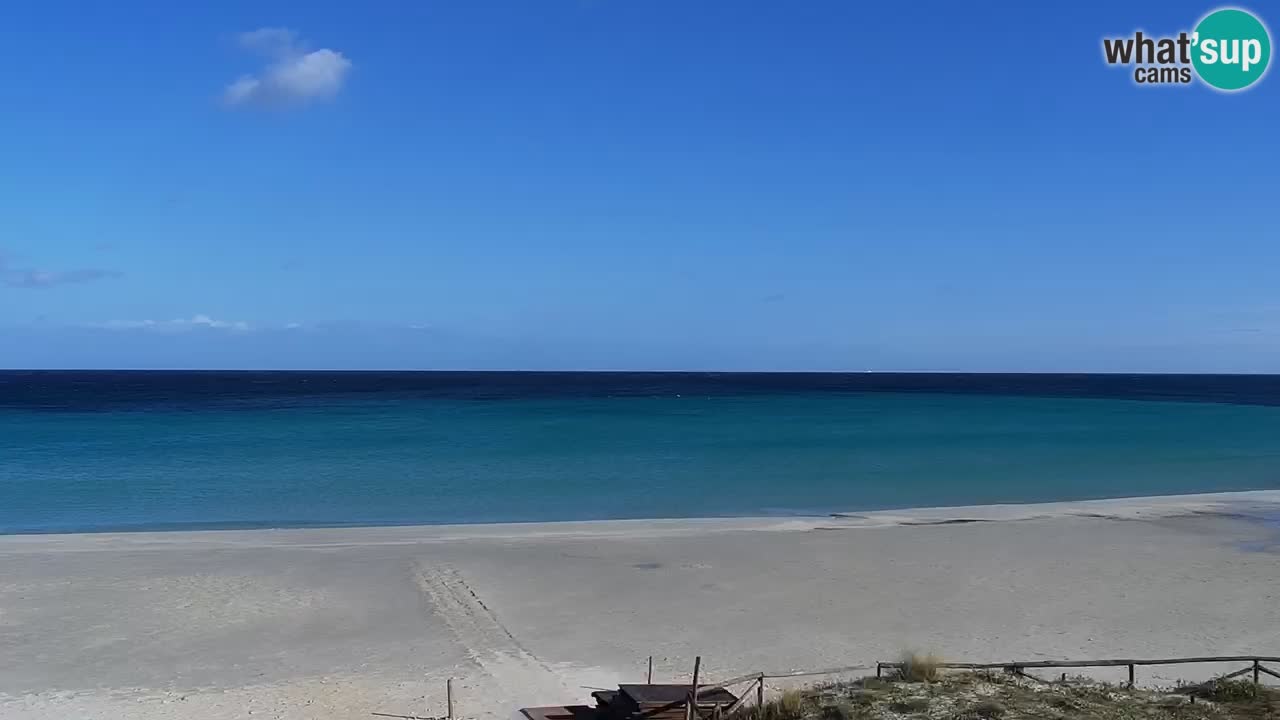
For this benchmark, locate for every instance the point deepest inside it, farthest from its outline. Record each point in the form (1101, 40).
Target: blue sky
(593, 184)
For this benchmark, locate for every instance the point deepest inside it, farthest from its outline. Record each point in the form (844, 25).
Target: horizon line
(622, 371)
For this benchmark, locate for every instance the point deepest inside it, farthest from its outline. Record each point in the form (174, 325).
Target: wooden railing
(756, 681)
(1020, 668)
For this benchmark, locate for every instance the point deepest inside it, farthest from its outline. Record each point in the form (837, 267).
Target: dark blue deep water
(168, 450)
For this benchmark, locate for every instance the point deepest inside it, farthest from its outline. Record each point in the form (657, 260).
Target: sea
(91, 451)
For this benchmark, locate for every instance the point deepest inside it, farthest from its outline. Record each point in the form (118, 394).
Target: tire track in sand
(486, 640)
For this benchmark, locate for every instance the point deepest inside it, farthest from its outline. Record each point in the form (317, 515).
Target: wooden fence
(1020, 668)
(756, 681)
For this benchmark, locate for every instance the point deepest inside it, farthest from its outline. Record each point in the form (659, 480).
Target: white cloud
(34, 278)
(293, 76)
(206, 321)
(195, 322)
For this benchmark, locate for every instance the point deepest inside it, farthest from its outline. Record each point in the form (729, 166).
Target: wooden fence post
(1255, 672)
(448, 693)
(1130, 676)
(760, 693)
(692, 708)
(649, 680)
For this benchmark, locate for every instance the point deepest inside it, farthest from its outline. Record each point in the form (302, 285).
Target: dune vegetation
(922, 692)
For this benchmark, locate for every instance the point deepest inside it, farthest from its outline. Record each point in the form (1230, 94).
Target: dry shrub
(1224, 690)
(918, 667)
(787, 706)
(791, 704)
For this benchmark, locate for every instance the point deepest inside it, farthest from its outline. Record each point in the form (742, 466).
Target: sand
(346, 623)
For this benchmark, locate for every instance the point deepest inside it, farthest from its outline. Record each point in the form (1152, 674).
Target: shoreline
(1240, 504)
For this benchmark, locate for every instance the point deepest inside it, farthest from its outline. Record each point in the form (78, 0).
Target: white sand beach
(346, 623)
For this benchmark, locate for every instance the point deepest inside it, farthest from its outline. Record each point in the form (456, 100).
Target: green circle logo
(1232, 49)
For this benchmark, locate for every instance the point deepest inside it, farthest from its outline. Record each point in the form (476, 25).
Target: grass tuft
(1224, 690)
(918, 667)
(790, 705)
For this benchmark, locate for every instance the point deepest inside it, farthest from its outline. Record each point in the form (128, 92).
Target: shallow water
(98, 451)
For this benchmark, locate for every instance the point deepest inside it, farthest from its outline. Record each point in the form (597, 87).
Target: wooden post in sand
(760, 692)
(1255, 673)
(691, 709)
(448, 694)
(649, 677)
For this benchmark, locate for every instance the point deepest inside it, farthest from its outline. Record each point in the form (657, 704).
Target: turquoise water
(369, 459)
